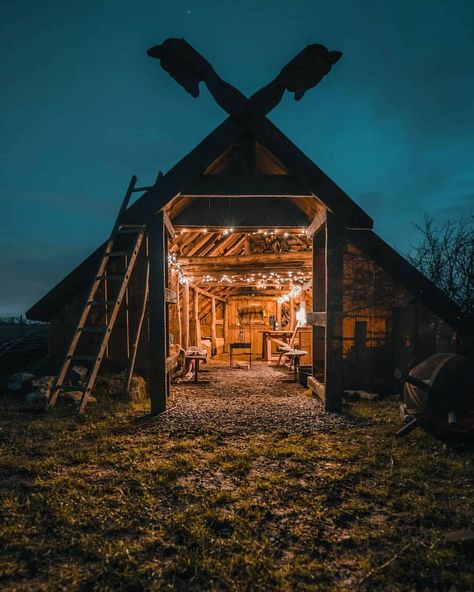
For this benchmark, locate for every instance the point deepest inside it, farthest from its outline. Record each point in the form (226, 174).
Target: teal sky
(82, 108)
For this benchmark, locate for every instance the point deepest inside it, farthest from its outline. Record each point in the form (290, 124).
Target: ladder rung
(92, 329)
(83, 358)
(134, 230)
(102, 302)
(71, 387)
(111, 277)
(117, 254)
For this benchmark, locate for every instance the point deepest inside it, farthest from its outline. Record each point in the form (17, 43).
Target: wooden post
(318, 351)
(213, 326)
(278, 312)
(291, 304)
(175, 286)
(225, 324)
(185, 343)
(158, 329)
(335, 244)
(197, 322)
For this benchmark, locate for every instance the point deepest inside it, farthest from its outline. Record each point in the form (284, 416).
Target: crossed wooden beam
(189, 68)
(303, 72)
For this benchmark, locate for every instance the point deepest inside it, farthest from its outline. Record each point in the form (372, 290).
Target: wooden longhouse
(244, 231)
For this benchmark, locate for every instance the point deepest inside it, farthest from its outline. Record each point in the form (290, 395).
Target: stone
(369, 396)
(350, 396)
(43, 385)
(20, 383)
(36, 401)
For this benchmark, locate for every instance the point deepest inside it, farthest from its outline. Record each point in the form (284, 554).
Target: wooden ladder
(109, 308)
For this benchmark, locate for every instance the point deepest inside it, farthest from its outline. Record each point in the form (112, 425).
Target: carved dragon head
(308, 68)
(182, 62)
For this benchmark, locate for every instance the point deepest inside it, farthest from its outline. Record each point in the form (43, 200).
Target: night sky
(82, 108)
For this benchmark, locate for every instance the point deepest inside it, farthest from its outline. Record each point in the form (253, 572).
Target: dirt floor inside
(263, 398)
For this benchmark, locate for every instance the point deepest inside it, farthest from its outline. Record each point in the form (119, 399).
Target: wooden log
(225, 329)
(278, 312)
(178, 307)
(157, 314)
(200, 270)
(291, 304)
(185, 343)
(261, 258)
(213, 326)
(197, 322)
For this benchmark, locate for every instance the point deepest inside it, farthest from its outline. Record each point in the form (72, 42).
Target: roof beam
(241, 185)
(290, 257)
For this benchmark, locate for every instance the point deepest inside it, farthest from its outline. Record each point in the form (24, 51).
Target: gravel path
(244, 401)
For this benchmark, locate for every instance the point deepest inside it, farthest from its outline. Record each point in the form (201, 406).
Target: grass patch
(108, 504)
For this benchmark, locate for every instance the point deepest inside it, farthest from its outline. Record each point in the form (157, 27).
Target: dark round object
(303, 373)
(439, 392)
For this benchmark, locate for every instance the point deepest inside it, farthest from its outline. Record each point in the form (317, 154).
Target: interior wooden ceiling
(210, 259)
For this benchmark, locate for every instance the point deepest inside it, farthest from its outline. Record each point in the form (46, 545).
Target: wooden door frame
(326, 318)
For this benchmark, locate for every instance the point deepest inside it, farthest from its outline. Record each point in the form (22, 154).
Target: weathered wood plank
(317, 387)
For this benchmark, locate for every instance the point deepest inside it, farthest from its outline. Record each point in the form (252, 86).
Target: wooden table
(267, 337)
(241, 345)
(196, 357)
(295, 356)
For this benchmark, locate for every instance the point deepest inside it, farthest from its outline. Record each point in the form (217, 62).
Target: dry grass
(122, 504)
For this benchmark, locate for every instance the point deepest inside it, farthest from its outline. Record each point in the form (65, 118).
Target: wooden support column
(335, 245)
(316, 381)
(278, 313)
(158, 330)
(291, 304)
(175, 319)
(225, 324)
(197, 322)
(213, 326)
(185, 343)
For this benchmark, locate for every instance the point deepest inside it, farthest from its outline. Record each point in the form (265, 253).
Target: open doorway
(241, 297)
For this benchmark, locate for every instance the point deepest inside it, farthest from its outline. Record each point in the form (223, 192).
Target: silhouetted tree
(445, 255)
